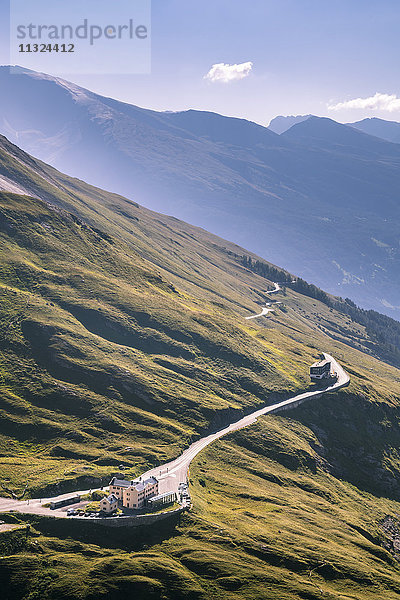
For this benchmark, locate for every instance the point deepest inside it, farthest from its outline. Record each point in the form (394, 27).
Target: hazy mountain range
(386, 130)
(320, 199)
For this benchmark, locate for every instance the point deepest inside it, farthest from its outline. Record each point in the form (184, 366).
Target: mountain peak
(282, 123)
(325, 132)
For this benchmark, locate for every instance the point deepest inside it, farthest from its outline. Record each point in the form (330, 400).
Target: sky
(263, 58)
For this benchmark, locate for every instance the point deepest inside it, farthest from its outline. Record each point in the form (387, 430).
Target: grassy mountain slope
(270, 520)
(122, 338)
(112, 345)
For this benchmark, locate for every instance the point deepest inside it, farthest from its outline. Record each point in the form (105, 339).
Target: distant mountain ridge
(380, 128)
(326, 134)
(321, 199)
(386, 130)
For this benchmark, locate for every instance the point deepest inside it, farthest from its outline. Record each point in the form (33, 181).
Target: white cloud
(387, 102)
(225, 73)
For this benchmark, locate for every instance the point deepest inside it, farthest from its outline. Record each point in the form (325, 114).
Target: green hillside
(123, 338)
(95, 340)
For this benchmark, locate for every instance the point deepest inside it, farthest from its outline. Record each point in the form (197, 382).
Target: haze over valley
(320, 199)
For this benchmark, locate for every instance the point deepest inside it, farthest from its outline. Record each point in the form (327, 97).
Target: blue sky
(305, 55)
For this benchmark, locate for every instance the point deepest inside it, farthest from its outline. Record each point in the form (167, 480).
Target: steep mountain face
(320, 199)
(122, 338)
(386, 130)
(281, 124)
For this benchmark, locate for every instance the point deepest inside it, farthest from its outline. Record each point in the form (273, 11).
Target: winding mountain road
(277, 288)
(267, 310)
(172, 473)
(264, 311)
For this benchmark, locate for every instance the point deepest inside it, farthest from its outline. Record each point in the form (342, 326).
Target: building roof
(110, 498)
(321, 363)
(151, 481)
(120, 482)
(142, 485)
(137, 484)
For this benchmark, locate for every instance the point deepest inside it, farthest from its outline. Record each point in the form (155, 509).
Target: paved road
(35, 506)
(277, 288)
(267, 310)
(171, 474)
(174, 472)
(264, 311)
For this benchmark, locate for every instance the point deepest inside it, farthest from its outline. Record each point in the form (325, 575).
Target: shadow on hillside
(88, 532)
